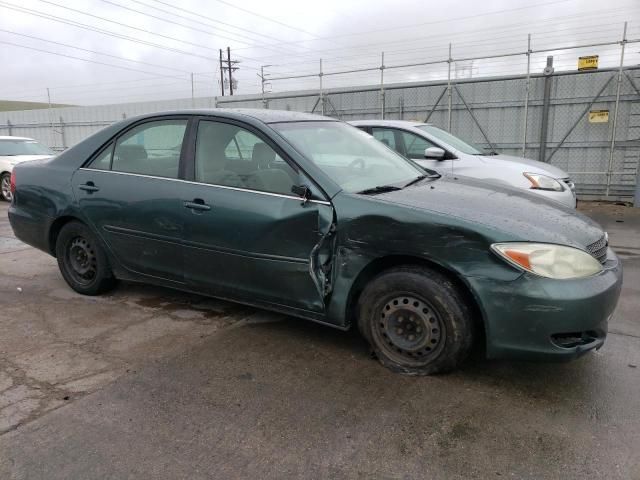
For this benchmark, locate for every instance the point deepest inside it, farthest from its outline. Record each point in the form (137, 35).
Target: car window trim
(114, 140)
(193, 182)
(191, 160)
(403, 130)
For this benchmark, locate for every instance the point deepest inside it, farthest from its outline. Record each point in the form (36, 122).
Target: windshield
(455, 142)
(350, 157)
(22, 147)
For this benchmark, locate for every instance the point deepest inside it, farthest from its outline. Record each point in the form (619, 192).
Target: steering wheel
(357, 164)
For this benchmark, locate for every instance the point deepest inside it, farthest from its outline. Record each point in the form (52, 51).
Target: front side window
(152, 148)
(451, 140)
(353, 159)
(232, 156)
(415, 145)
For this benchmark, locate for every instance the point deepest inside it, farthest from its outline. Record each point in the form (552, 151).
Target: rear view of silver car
(436, 149)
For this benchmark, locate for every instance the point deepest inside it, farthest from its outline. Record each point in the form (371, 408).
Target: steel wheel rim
(6, 187)
(81, 260)
(409, 330)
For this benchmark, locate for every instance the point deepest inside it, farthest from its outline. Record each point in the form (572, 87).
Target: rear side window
(152, 148)
(386, 136)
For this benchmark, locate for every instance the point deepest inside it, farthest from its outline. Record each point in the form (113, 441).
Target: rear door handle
(89, 187)
(197, 204)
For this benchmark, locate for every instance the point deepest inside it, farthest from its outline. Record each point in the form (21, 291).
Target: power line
(149, 32)
(439, 36)
(80, 58)
(200, 15)
(415, 25)
(98, 30)
(173, 22)
(93, 51)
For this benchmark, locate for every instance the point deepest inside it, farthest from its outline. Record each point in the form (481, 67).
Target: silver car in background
(434, 148)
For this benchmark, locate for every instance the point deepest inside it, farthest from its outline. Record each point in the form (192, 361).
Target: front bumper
(541, 318)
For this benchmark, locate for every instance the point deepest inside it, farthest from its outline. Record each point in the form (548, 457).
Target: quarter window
(103, 160)
(152, 148)
(232, 156)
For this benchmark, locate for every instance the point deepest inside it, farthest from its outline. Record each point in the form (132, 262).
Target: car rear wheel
(5, 187)
(416, 321)
(82, 261)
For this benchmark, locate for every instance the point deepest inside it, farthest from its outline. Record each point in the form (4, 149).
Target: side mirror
(434, 152)
(303, 191)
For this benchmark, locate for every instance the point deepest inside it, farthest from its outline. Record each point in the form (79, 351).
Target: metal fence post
(321, 92)
(526, 97)
(615, 110)
(544, 124)
(62, 134)
(449, 90)
(10, 127)
(636, 197)
(382, 87)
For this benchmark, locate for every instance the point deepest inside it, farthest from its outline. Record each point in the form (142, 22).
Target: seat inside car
(211, 163)
(267, 177)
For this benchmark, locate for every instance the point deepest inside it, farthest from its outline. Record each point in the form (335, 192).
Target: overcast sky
(147, 49)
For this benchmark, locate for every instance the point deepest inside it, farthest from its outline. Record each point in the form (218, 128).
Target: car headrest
(132, 152)
(262, 155)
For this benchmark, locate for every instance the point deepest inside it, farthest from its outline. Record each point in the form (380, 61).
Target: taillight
(12, 184)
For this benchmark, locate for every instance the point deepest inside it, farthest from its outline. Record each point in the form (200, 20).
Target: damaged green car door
(246, 233)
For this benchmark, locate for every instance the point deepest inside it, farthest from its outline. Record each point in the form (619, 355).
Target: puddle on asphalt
(201, 305)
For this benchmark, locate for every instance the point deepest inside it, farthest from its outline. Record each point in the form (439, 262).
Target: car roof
(11, 137)
(264, 115)
(387, 123)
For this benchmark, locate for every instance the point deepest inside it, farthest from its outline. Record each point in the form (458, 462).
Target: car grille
(599, 249)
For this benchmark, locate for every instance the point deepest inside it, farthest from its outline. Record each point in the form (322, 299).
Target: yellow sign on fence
(598, 116)
(588, 63)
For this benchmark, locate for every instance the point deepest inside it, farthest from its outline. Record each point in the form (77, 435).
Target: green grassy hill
(11, 105)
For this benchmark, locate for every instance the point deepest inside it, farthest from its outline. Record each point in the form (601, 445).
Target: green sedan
(309, 216)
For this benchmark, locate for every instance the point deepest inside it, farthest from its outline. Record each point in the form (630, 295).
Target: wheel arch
(379, 265)
(55, 228)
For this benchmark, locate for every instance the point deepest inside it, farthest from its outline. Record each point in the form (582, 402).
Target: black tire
(5, 179)
(82, 260)
(416, 321)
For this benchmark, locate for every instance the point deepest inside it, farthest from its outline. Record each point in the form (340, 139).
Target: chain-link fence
(587, 123)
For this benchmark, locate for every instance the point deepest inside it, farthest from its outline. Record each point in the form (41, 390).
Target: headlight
(548, 260)
(543, 182)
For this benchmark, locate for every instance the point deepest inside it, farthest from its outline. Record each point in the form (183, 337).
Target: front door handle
(197, 204)
(89, 187)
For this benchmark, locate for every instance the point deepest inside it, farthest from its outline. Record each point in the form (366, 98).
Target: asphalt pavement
(151, 383)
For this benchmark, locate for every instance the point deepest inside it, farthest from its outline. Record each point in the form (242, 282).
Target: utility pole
(230, 68)
(221, 74)
(230, 71)
(263, 82)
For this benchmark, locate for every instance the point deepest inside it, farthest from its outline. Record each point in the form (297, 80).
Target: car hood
(15, 159)
(528, 165)
(509, 212)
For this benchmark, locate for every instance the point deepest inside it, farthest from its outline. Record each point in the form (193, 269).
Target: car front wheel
(416, 321)
(5, 187)
(82, 261)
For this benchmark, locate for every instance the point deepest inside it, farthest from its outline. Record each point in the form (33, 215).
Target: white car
(15, 150)
(438, 150)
